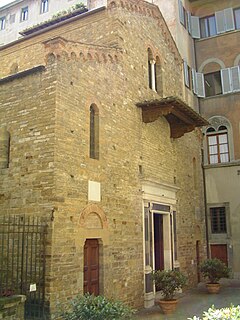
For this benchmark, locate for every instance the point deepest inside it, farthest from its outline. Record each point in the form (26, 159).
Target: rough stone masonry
(98, 59)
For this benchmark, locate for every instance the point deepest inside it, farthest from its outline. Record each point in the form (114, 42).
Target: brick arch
(93, 209)
(73, 55)
(211, 60)
(50, 58)
(113, 4)
(150, 47)
(216, 122)
(237, 60)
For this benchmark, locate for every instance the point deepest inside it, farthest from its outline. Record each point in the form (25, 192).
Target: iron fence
(23, 261)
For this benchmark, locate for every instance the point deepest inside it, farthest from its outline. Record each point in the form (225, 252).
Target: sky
(3, 2)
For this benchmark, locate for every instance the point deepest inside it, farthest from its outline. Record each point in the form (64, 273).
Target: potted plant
(168, 282)
(214, 270)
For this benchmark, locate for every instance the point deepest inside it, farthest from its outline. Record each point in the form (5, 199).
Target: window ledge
(220, 165)
(220, 95)
(218, 35)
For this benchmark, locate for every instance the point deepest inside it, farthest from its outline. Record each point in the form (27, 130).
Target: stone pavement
(195, 301)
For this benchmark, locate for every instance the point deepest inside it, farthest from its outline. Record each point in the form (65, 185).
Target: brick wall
(47, 115)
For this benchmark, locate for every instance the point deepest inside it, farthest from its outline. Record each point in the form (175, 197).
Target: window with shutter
(200, 85)
(237, 18)
(186, 73)
(235, 76)
(226, 80)
(213, 84)
(195, 27)
(229, 19)
(220, 21)
(194, 83)
(208, 26)
(225, 20)
(181, 12)
(189, 22)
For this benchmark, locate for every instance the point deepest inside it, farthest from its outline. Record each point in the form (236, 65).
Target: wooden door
(219, 251)
(158, 242)
(91, 266)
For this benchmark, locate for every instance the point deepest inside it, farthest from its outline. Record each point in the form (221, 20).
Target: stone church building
(95, 137)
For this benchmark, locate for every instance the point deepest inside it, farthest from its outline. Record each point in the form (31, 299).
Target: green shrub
(90, 307)
(168, 281)
(231, 313)
(214, 270)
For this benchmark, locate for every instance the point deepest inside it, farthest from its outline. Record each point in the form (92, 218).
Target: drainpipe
(203, 171)
(205, 204)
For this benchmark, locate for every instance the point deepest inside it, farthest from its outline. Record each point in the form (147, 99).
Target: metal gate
(23, 260)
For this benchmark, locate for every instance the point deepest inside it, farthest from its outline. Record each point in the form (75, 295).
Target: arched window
(151, 70)
(218, 145)
(94, 132)
(158, 77)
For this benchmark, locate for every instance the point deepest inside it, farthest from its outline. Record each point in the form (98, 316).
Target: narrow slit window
(94, 132)
(151, 71)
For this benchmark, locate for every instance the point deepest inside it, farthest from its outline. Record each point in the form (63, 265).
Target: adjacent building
(98, 137)
(22, 14)
(218, 60)
(207, 35)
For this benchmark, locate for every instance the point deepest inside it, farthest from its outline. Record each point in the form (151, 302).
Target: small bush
(214, 270)
(168, 281)
(89, 307)
(231, 313)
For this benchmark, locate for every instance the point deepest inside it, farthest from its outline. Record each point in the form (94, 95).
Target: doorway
(91, 266)
(198, 260)
(158, 241)
(219, 251)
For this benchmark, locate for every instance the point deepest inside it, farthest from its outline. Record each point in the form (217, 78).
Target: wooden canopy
(181, 117)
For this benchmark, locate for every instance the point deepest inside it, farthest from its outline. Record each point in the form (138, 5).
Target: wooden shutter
(235, 76)
(189, 20)
(194, 83)
(181, 11)
(200, 85)
(229, 19)
(226, 80)
(220, 21)
(195, 27)
(186, 75)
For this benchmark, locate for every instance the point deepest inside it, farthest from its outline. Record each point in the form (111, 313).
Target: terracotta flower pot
(213, 287)
(168, 306)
